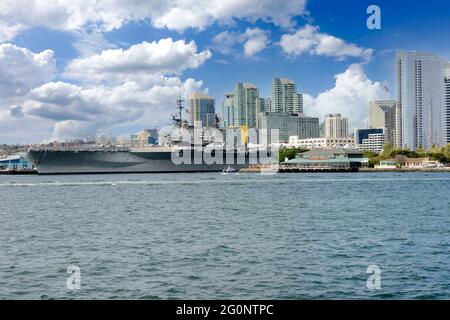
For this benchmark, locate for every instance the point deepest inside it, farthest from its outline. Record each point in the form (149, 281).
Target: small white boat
(230, 169)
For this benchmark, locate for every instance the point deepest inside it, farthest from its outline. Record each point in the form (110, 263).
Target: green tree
(374, 161)
(289, 153)
(387, 150)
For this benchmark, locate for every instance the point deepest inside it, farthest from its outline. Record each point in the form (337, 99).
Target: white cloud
(310, 40)
(80, 112)
(70, 15)
(22, 70)
(137, 90)
(350, 96)
(257, 41)
(254, 39)
(166, 57)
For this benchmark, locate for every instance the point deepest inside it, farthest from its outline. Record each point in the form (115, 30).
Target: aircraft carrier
(148, 159)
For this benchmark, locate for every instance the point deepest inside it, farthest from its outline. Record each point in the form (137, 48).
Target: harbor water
(218, 236)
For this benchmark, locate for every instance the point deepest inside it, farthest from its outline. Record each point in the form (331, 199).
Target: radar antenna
(178, 118)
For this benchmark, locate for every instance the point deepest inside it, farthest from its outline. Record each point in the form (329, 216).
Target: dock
(18, 172)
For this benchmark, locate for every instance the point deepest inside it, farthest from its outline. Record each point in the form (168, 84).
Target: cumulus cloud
(309, 40)
(166, 57)
(70, 15)
(22, 70)
(257, 41)
(80, 112)
(254, 40)
(138, 90)
(350, 96)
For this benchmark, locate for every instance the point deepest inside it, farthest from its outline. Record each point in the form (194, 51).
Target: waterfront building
(382, 115)
(374, 142)
(327, 159)
(289, 125)
(372, 139)
(336, 126)
(228, 110)
(401, 161)
(202, 110)
(361, 134)
(387, 164)
(420, 111)
(311, 143)
(14, 162)
(245, 96)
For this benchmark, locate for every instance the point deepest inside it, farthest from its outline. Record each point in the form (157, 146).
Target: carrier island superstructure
(146, 159)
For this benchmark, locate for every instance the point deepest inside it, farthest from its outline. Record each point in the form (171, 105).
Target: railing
(80, 148)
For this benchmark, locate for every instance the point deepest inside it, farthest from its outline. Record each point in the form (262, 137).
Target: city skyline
(96, 71)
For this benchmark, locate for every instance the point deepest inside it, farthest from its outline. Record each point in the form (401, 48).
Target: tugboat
(230, 169)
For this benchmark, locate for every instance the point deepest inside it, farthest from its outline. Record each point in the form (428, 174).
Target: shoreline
(362, 170)
(445, 169)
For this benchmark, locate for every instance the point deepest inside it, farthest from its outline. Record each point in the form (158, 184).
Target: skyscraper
(201, 109)
(298, 103)
(282, 95)
(447, 102)
(268, 103)
(336, 126)
(382, 115)
(245, 95)
(260, 106)
(420, 115)
(228, 110)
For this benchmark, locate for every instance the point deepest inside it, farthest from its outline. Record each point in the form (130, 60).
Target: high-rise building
(382, 115)
(268, 104)
(298, 103)
(447, 102)
(336, 126)
(245, 95)
(260, 106)
(420, 115)
(228, 110)
(201, 109)
(289, 125)
(282, 95)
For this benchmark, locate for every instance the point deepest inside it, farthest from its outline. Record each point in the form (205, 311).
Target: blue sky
(67, 103)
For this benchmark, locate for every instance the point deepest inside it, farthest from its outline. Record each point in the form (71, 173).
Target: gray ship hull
(116, 161)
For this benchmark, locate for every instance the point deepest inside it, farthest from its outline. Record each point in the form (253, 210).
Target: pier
(18, 172)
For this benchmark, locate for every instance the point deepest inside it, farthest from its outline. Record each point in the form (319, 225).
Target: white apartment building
(421, 112)
(375, 142)
(336, 126)
(312, 143)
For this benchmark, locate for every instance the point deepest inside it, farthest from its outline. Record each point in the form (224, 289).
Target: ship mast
(180, 108)
(178, 118)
